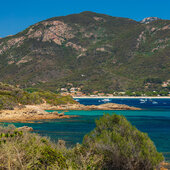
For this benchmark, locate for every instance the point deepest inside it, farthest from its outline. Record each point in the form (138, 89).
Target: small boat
(106, 100)
(143, 100)
(154, 102)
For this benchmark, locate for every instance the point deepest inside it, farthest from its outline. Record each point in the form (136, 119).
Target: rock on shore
(29, 113)
(25, 128)
(107, 106)
(37, 112)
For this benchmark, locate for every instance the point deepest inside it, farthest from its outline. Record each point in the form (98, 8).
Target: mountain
(149, 19)
(90, 50)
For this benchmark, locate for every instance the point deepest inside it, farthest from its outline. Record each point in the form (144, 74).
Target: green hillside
(11, 97)
(95, 51)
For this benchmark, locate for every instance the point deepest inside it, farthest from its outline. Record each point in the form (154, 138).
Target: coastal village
(77, 92)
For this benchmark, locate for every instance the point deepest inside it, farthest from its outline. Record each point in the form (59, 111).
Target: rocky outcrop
(55, 31)
(107, 106)
(37, 112)
(29, 113)
(11, 43)
(25, 128)
(149, 19)
(164, 166)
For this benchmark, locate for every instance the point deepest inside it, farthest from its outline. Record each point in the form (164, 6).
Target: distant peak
(87, 12)
(149, 19)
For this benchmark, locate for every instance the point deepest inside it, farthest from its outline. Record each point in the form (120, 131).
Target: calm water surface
(154, 119)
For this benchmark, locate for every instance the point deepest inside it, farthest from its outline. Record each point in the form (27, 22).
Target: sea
(154, 119)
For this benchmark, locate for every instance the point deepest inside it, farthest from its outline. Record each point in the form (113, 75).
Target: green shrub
(23, 150)
(113, 145)
(121, 145)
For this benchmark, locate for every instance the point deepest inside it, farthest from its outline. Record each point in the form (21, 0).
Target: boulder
(25, 128)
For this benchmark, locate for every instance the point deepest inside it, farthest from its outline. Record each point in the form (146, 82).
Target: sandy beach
(123, 97)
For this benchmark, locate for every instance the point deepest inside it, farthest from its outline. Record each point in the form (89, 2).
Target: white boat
(106, 100)
(154, 102)
(143, 100)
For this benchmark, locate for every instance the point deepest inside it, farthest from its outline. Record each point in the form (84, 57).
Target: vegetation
(11, 97)
(22, 150)
(121, 145)
(120, 54)
(54, 99)
(113, 144)
(164, 92)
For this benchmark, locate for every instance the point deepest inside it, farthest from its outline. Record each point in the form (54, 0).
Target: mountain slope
(96, 51)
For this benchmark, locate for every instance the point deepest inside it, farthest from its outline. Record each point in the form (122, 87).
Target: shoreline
(30, 113)
(37, 112)
(123, 97)
(106, 106)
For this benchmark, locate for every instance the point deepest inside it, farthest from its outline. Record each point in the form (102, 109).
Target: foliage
(55, 99)
(22, 150)
(113, 144)
(11, 97)
(121, 145)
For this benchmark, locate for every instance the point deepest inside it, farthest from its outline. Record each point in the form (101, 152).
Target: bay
(154, 119)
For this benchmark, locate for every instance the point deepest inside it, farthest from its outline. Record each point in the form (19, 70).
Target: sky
(17, 15)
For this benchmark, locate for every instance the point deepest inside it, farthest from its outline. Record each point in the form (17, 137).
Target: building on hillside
(101, 94)
(95, 92)
(79, 94)
(64, 89)
(165, 83)
(65, 93)
(109, 95)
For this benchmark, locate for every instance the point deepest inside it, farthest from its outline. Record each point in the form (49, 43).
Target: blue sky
(16, 15)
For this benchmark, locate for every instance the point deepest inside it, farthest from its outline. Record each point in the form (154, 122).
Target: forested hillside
(94, 51)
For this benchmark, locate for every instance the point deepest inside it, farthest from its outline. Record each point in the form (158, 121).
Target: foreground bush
(22, 150)
(113, 145)
(119, 145)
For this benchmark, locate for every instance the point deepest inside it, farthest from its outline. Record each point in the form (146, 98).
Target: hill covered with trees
(91, 50)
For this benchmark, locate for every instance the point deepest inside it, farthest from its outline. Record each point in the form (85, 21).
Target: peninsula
(37, 112)
(17, 105)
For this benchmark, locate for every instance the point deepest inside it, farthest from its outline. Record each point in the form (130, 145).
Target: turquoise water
(154, 121)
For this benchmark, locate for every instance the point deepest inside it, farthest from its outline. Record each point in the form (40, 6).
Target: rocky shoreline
(107, 106)
(37, 112)
(29, 113)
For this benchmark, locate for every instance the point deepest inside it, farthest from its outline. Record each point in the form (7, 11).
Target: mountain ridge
(59, 50)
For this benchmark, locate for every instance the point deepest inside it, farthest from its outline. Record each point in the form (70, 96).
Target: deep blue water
(154, 119)
(149, 103)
